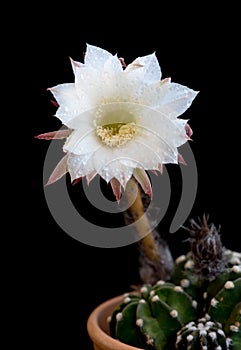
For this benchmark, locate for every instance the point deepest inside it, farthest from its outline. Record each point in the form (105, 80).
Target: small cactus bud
(206, 247)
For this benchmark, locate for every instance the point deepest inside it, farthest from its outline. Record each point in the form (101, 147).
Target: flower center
(116, 134)
(115, 123)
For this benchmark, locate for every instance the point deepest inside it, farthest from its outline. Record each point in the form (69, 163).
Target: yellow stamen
(117, 134)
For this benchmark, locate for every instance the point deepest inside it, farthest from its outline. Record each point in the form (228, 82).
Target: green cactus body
(225, 307)
(175, 297)
(154, 317)
(184, 275)
(224, 302)
(149, 326)
(126, 328)
(234, 327)
(118, 310)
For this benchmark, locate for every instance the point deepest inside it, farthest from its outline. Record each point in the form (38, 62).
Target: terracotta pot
(97, 327)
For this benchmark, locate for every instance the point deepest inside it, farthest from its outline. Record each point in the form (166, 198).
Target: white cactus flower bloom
(121, 120)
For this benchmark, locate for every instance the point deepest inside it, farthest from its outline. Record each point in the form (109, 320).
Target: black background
(61, 280)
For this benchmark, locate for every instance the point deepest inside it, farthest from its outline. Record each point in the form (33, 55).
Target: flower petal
(116, 188)
(113, 83)
(107, 84)
(189, 131)
(76, 181)
(176, 99)
(89, 76)
(181, 160)
(122, 174)
(82, 141)
(109, 164)
(171, 131)
(148, 66)
(96, 57)
(160, 168)
(112, 66)
(148, 150)
(142, 72)
(70, 103)
(90, 177)
(76, 65)
(116, 170)
(60, 134)
(89, 82)
(60, 170)
(80, 165)
(143, 179)
(153, 94)
(171, 99)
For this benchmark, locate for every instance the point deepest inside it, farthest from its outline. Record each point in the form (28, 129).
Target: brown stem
(155, 258)
(142, 223)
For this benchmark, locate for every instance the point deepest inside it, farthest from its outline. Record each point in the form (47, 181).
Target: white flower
(121, 120)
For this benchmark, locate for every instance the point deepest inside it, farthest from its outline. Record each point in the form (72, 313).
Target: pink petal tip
(74, 182)
(181, 160)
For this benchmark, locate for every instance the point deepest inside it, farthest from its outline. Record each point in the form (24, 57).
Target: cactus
(154, 315)
(202, 334)
(199, 307)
